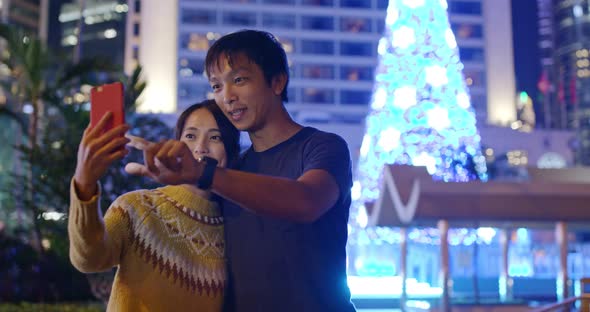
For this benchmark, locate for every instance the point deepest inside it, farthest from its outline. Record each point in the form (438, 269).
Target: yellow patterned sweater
(167, 243)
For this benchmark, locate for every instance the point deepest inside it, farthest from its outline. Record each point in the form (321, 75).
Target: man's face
(243, 94)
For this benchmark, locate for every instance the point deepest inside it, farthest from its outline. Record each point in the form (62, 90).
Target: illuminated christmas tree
(420, 111)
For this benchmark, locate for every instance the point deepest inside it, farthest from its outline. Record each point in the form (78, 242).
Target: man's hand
(168, 162)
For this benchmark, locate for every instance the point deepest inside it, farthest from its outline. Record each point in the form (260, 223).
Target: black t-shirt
(279, 265)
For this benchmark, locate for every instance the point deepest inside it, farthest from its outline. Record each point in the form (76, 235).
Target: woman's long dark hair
(229, 134)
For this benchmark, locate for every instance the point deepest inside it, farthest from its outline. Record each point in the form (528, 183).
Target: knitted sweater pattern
(168, 237)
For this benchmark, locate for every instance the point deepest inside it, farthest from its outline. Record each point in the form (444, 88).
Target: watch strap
(206, 178)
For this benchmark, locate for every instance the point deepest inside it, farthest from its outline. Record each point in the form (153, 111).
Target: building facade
(332, 50)
(102, 24)
(564, 33)
(30, 15)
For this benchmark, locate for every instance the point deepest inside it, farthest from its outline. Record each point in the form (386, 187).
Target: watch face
(208, 160)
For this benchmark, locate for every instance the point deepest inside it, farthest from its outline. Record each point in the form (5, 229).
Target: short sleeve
(330, 152)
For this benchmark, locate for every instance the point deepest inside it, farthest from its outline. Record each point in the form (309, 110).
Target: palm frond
(135, 85)
(77, 73)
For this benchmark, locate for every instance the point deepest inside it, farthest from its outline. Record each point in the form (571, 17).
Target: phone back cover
(106, 98)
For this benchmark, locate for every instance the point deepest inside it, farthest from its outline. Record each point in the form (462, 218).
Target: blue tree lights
(420, 111)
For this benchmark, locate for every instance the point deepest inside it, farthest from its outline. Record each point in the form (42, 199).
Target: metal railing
(566, 305)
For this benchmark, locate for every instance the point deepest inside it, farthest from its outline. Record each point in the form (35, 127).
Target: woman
(168, 242)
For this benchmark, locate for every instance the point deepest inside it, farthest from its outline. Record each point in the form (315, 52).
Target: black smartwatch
(206, 178)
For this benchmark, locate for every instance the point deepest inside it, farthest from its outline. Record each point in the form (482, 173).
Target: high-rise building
(332, 50)
(152, 32)
(564, 31)
(30, 15)
(550, 116)
(572, 56)
(102, 24)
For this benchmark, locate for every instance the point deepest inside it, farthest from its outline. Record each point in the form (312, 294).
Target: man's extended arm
(301, 200)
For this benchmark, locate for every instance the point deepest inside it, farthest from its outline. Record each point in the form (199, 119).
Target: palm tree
(34, 81)
(53, 129)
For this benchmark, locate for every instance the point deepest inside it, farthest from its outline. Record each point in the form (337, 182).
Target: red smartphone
(105, 98)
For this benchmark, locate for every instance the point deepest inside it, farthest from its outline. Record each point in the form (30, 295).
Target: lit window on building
(518, 158)
(317, 22)
(69, 40)
(318, 96)
(355, 24)
(110, 33)
(582, 63)
(578, 11)
(356, 73)
(317, 71)
(551, 160)
(582, 53)
(489, 154)
(239, 18)
(467, 31)
(275, 20)
(195, 42)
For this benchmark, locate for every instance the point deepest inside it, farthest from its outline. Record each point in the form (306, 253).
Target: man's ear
(279, 83)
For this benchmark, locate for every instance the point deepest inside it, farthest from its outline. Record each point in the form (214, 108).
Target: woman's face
(203, 137)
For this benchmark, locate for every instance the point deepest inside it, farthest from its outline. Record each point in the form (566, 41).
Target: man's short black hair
(258, 46)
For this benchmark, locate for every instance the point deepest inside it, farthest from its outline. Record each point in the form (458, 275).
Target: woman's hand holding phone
(98, 149)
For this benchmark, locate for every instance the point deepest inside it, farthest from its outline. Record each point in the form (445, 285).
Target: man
(287, 205)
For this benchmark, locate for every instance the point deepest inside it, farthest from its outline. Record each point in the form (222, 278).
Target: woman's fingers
(138, 142)
(111, 135)
(118, 154)
(113, 146)
(100, 126)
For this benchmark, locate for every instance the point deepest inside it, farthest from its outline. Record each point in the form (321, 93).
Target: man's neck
(274, 133)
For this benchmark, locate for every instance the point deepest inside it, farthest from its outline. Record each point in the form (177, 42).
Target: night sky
(526, 52)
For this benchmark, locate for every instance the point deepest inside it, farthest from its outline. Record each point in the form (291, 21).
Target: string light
(420, 112)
